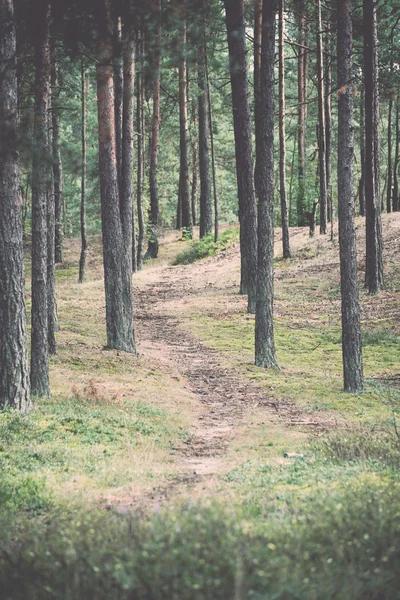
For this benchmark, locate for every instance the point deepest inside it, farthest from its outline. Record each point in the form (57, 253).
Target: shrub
(206, 246)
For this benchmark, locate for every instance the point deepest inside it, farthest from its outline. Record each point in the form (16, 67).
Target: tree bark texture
(84, 244)
(235, 23)
(140, 150)
(264, 327)
(118, 93)
(389, 158)
(14, 373)
(328, 123)
(361, 186)
(117, 271)
(204, 157)
(152, 248)
(51, 238)
(374, 264)
(282, 134)
(302, 110)
(395, 200)
(184, 185)
(127, 192)
(41, 181)
(351, 334)
(256, 72)
(321, 129)
(57, 164)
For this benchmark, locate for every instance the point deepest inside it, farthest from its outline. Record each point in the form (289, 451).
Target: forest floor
(191, 422)
(195, 407)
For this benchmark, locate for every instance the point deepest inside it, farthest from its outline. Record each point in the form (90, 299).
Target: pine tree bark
(14, 373)
(84, 243)
(351, 334)
(51, 237)
(41, 180)
(235, 24)
(57, 164)
(118, 93)
(256, 72)
(152, 249)
(117, 270)
(389, 158)
(361, 186)
(302, 111)
(282, 133)
(204, 158)
(140, 150)
(127, 192)
(328, 124)
(184, 185)
(213, 168)
(264, 328)
(395, 197)
(321, 119)
(374, 264)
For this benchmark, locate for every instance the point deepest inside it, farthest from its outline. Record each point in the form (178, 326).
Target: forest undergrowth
(188, 473)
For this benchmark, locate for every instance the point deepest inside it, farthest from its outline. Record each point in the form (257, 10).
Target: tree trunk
(82, 260)
(256, 72)
(118, 93)
(51, 238)
(235, 24)
(389, 158)
(152, 249)
(321, 119)
(302, 111)
(57, 164)
(351, 335)
(374, 265)
(14, 373)
(395, 201)
(184, 185)
(127, 193)
(204, 159)
(214, 175)
(264, 328)
(328, 123)
(282, 134)
(140, 149)
(41, 179)
(361, 187)
(117, 271)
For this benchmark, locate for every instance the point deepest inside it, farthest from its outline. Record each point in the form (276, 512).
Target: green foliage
(378, 446)
(333, 544)
(206, 246)
(23, 492)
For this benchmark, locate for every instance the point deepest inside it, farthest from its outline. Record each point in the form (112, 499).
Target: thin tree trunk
(256, 73)
(41, 177)
(14, 372)
(57, 164)
(321, 118)
(184, 185)
(235, 23)
(118, 94)
(204, 159)
(152, 249)
(264, 328)
(302, 112)
(374, 265)
(84, 244)
(127, 194)
(195, 182)
(361, 187)
(395, 200)
(282, 134)
(389, 167)
(328, 123)
(213, 169)
(351, 334)
(140, 150)
(117, 270)
(51, 237)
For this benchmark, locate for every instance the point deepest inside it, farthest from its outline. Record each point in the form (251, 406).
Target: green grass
(206, 246)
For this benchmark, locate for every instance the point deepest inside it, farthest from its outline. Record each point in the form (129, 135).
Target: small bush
(206, 246)
(363, 446)
(23, 492)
